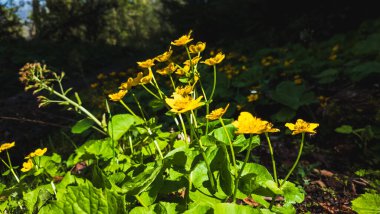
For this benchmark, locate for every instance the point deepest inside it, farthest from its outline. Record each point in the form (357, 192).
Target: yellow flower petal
(248, 124)
(165, 56)
(217, 113)
(118, 96)
(26, 166)
(197, 48)
(167, 70)
(147, 78)
(302, 127)
(6, 146)
(146, 64)
(181, 104)
(183, 40)
(215, 60)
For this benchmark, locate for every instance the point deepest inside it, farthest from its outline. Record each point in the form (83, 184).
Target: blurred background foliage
(302, 57)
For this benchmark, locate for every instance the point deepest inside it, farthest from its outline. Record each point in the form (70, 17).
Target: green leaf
(367, 203)
(2, 187)
(220, 133)
(363, 70)
(284, 114)
(292, 194)
(145, 177)
(156, 105)
(82, 125)
(121, 123)
(85, 198)
(227, 208)
(344, 129)
(161, 207)
(291, 95)
(198, 208)
(100, 149)
(36, 198)
(255, 179)
(327, 76)
(149, 196)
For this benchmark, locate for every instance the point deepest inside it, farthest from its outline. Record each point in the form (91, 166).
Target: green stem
(11, 168)
(155, 83)
(126, 107)
(150, 92)
(171, 79)
(138, 104)
(130, 144)
(213, 86)
(231, 146)
(89, 114)
(272, 157)
(242, 167)
(297, 160)
(155, 143)
(183, 127)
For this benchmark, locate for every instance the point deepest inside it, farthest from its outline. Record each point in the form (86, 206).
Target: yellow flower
(147, 78)
(217, 113)
(335, 48)
(181, 104)
(184, 91)
(183, 71)
(248, 124)
(37, 152)
(6, 146)
(332, 57)
(298, 81)
(269, 128)
(94, 85)
(26, 166)
(287, 62)
(146, 64)
(197, 48)
(118, 96)
(101, 76)
(267, 61)
(252, 97)
(183, 40)
(194, 61)
(167, 70)
(127, 85)
(301, 127)
(165, 56)
(215, 60)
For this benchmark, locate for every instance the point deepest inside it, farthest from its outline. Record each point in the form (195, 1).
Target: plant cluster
(202, 165)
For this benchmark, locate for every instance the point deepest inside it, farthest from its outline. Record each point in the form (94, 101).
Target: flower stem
(171, 79)
(150, 92)
(81, 108)
(242, 168)
(272, 157)
(213, 86)
(126, 107)
(138, 104)
(155, 83)
(156, 143)
(11, 168)
(183, 127)
(296, 162)
(231, 146)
